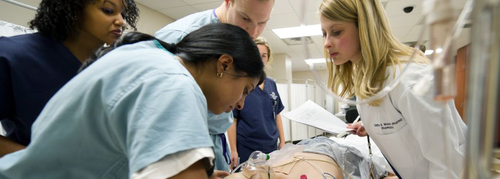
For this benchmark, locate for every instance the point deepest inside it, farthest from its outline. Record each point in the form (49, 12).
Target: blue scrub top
(256, 126)
(33, 68)
(176, 31)
(129, 109)
(217, 124)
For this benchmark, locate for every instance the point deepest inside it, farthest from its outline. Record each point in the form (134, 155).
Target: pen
(356, 120)
(346, 133)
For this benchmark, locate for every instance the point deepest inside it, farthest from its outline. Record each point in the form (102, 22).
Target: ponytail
(207, 43)
(128, 38)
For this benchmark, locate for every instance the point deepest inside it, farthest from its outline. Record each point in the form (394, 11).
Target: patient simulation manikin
(308, 164)
(314, 158)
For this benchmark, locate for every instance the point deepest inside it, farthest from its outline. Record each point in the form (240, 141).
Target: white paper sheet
(314, 115)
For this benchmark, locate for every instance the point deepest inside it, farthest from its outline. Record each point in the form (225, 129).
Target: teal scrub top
(217, 124)
(129, 109)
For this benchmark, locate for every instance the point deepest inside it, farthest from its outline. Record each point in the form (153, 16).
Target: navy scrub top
(33, 68)
(256, 126)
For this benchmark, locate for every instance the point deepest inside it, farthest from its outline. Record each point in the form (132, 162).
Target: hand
(234, 159)
(357, 129)
(281, 145)
(218, 174)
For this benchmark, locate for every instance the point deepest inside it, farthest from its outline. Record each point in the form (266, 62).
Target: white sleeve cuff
(173, 164)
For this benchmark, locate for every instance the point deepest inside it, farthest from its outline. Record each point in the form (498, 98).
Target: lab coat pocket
(401, 151)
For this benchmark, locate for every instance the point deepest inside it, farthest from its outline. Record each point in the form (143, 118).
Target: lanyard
(274, 97)
(224, 148)
(274, 109)
(215, 13)
(371, 157)
(159, 45)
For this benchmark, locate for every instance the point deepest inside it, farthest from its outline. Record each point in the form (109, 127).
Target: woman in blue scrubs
(251, 15)
(140, 111)
(34, 67)
(258, 126)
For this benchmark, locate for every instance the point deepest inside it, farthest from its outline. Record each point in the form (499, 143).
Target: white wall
(15, 14)
(293, 95)
(281, 68)
(303, 75)
(149, 20)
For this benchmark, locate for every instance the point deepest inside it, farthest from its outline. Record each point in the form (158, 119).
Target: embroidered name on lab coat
(388, 125)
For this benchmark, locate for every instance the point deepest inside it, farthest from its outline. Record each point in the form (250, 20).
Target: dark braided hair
(60, 18)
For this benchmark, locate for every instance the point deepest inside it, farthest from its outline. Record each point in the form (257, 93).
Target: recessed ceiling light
(301, 31)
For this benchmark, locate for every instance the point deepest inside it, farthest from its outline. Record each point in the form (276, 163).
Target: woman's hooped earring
(220, 75)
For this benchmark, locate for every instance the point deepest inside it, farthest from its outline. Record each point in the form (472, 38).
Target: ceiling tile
(301, 52)
(414, 33)
(162, 4)
(277, 45)
(312, 18)
(412, 37)
(400, 32)
(207, 6)
(311, 5)
(416, 29)
(404, 20)
(283, 20)
(178, 12)
(282, 7)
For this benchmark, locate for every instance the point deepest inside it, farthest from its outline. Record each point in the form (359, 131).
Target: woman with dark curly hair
(34, 67)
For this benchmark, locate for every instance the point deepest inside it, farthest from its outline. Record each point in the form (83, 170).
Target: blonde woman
(265, 51)
(364, 56)
(258, 125)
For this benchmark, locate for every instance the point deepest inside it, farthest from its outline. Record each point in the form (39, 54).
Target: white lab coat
(409, 129)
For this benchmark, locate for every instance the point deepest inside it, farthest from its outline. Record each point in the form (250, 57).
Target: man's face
(251, 15)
